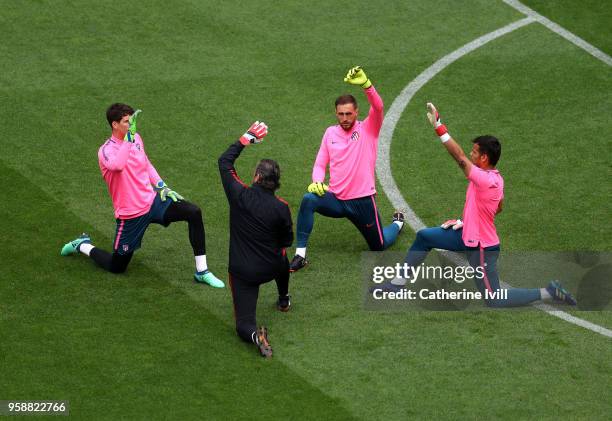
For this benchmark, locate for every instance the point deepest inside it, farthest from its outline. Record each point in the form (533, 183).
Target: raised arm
(373, 122)
(232, 184)
(115, 160)
(449, 143)
(376, 114)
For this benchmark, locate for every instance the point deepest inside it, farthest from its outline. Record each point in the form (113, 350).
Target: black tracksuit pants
(244, 295)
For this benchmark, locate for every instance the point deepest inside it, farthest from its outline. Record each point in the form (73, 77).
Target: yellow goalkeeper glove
(356, 76)
(318, 188)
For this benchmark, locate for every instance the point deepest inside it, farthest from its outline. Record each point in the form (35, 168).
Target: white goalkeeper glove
(434, 119)
(456, 224)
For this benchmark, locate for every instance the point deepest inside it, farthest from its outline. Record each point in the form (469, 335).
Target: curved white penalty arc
(574, 39)
(383, 164)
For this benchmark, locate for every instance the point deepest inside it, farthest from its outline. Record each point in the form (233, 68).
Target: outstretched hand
(433, 115)
(255, 133)
(130, 136)
(356, 76)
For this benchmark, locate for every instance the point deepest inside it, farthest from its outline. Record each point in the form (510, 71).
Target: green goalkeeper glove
(130, 136)
(318, 188)
(356, 76)
(165, 192)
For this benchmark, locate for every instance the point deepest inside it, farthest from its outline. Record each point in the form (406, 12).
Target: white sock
(301, 251)
(399, 224)
(399, 281)
(201, 265)
(544, 295)
(86, 248)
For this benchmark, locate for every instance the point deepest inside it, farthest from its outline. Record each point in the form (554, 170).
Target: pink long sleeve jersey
(351, 155)
(129, 175)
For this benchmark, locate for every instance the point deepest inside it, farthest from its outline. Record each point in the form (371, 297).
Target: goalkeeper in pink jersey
(349, 149)
(140, 197)
(476, 234)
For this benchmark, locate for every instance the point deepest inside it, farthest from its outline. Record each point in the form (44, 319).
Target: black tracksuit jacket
(260, 225)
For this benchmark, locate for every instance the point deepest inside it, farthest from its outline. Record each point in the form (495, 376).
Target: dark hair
(489, 146)
(269, 174)
(117, 111)
(346, 99)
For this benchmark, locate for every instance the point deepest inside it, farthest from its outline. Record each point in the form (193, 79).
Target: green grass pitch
(151, 344)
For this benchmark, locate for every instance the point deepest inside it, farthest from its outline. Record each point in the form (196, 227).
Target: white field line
(576, 40)
(383, 165)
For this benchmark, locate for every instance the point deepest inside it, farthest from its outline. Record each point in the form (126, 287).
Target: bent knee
(310, 200)
(426, 237)
(495, 303)
(245, 334)
(118, 269)
(422, 234)
(194, 211)
(378, 247)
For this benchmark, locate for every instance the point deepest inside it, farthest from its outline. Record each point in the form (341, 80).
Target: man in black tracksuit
(260, 230)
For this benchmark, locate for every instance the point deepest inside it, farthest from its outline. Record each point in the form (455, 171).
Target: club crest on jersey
(126, 248)
(355, 136)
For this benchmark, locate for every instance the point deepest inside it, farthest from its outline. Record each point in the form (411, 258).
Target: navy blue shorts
(362, 212)
(129, 232)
